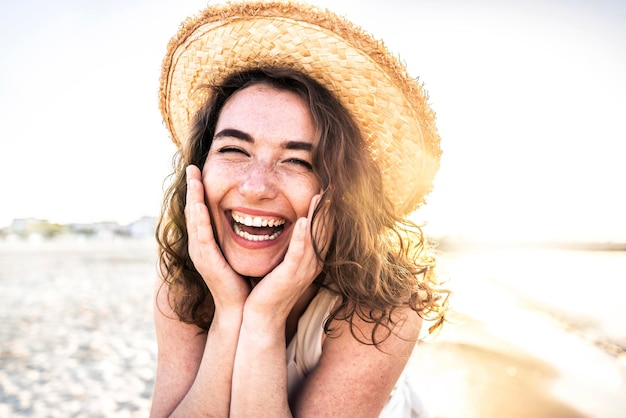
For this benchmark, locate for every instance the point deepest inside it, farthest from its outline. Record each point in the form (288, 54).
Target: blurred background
(528, 206)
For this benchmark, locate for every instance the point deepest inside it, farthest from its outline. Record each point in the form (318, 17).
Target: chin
(253, 262)
(254, 271)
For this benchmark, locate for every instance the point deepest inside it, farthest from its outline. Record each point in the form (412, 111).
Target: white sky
(530, 100)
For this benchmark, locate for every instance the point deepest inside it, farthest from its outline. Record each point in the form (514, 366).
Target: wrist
(264, 325)
(227, 319)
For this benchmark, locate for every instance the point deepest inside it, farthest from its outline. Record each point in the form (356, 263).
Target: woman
(290, 282)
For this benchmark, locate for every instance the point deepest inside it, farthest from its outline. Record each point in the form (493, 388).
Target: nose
(258, 182)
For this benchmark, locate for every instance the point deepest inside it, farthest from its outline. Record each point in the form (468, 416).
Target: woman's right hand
(229, 289)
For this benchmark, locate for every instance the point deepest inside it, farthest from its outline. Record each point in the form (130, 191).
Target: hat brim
(389, 106)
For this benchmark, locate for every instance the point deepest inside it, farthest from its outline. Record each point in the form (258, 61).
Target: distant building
(32, 229)
(142, 228)
(24, 226)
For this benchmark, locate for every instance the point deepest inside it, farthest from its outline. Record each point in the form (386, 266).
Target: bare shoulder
(355, 377)
(177, 341)
(180, 350)
(166, 320)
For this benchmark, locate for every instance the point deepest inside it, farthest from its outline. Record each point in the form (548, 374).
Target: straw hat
(390, 107)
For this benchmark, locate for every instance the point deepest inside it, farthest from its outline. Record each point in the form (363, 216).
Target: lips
(257, 228)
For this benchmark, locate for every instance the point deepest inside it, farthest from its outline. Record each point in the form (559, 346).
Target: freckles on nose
(258, 180)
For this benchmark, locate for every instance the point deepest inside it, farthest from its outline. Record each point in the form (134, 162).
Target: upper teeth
(257, 221)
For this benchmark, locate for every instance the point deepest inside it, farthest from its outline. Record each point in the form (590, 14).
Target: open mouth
(257, 228)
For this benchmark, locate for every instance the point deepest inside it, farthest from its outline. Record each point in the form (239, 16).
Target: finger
(197, 216)
(313, 232)
(295, 251)
(301, 233)
(195, 190)
(321, 227)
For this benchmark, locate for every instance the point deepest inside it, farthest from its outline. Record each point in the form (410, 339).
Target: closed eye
(226, 150)
(303, 163)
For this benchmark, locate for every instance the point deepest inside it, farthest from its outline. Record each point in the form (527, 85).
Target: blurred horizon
(35, 230)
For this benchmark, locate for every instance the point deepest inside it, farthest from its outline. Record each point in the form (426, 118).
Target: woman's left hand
(277, 293)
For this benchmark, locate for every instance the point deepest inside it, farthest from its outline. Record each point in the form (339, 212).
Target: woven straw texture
(390, 107)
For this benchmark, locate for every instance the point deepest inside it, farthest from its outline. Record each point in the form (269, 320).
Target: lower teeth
(250, 237)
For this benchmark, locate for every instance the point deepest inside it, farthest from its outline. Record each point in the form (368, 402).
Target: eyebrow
(236, 133)
(233, 133)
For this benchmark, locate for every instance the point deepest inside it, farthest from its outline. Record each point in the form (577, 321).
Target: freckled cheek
(301, 191)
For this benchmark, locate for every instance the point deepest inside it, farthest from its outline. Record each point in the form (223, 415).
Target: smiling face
(258, 177)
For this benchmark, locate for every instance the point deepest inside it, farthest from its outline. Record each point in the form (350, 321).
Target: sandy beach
(77, 338)
(77, 341)
(501, 356)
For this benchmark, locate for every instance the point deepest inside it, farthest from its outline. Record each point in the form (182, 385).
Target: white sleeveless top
(305, 350)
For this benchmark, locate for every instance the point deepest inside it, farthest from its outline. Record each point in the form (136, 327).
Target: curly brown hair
(376, 260)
